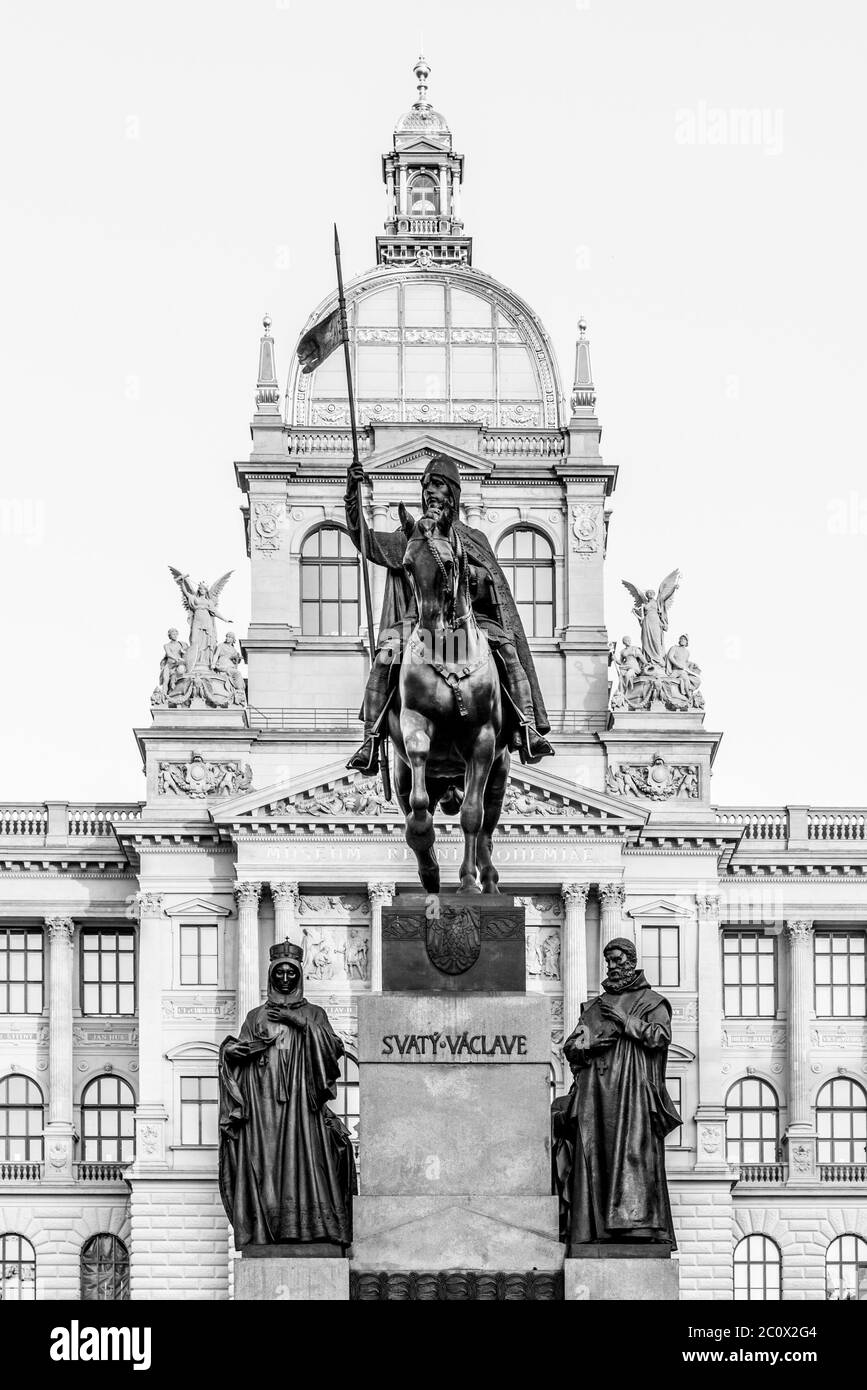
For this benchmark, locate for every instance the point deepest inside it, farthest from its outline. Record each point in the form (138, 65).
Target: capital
(707, 904)
(380, 893)
(612, 894)
(285, 893)
(60, 930)
(575, 894)
(148, 905)
(248, 893)
(799, 931)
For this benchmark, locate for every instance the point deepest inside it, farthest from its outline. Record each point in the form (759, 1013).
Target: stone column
(151, 1116)
(573, 954)
(60, 1130)
(710, 1115)
(402, 208)
(285, 899)
(800, 1132)
(378, 574)
(379, 894)
(611, 924)
(248, 895)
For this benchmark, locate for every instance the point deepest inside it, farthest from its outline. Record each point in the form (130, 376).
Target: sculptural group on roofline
(202, 670)
(649, 677)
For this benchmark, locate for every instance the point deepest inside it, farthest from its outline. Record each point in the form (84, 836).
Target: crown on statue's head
(287, 950)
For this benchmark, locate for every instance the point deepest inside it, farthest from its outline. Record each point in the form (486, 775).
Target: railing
(802, 824)
(326, 441)
(764, 1173)
(96, 821)
(843, 1172)
(23, 820)
(20, 1172)
(836, 825)
(100, 1172)
(306, 720)
(512, 445)
(57, 822)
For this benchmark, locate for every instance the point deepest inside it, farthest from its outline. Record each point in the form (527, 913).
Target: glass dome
(429, 347)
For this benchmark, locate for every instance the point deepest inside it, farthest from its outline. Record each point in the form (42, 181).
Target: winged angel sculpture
(649, 677)
(203, 670)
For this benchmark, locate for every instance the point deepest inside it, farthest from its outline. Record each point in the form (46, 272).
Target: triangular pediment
(414, 458)
(657, 908)
(332, 795)
(197, 907)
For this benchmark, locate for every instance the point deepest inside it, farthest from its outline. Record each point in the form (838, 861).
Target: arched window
(846, 1270)
(841, 1122)
(345, 1103)
(329, 584)
(104, 1269)
(752, 1122)
(17, 1269)
(424, 196)
(22, 1118)
(757, 1269)
(107, 1111)
(527, 561)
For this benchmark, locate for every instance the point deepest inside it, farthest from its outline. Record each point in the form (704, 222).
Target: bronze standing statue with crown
(287, 1168)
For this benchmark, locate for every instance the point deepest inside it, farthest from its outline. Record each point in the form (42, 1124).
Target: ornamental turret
(423, 179)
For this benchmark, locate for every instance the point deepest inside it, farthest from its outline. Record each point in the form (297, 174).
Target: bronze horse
(446, 721)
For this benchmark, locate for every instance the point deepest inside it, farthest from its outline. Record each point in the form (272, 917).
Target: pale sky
(688, 176)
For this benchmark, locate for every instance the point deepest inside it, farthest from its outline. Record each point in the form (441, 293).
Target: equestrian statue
(452, 683)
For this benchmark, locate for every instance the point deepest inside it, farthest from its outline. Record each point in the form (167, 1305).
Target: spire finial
(422, 72)
(583, 397)
(267, 388)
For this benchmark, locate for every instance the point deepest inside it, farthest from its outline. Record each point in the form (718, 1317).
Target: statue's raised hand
(356, 472)
(283, 1013)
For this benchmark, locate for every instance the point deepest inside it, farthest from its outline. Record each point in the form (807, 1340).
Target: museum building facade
(135, 937)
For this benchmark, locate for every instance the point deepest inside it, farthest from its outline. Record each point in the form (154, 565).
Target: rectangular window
(424, 306)
(838, 962)
(517, 377)
(378, 371)
(107, 972)
(199, 1104)
(378, 310)
(470, 310)
(472, 372)
(21, 971)
(749, 965)
(199, 954)
(425, 368)
(660, 956)
(674, 1086)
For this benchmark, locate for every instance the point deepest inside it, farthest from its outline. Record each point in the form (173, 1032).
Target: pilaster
(59, 1132)
(710, 1115)
(248, 895)
(380, 894)
(800, 1140)
(574, 954)
(151, 1116)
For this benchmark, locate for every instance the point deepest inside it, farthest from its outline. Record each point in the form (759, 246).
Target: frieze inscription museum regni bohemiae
(136, 936)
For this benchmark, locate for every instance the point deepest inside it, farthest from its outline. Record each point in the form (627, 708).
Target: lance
(362, 523)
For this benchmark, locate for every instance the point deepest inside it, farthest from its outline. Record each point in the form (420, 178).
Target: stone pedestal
(455, 1113)
(288, 1280)
(618, 1280)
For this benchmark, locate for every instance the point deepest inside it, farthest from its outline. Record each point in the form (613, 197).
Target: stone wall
(179, 1246)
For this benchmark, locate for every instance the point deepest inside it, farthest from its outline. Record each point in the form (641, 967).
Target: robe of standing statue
(287, 1169)
(609, 1132)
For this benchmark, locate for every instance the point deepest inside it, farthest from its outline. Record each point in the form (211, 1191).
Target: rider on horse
(493, 607)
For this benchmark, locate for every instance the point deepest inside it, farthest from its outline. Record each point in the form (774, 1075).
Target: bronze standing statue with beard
(609, 1132)
(492, 603)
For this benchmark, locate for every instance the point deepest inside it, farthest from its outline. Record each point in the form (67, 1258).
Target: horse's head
(436, 566)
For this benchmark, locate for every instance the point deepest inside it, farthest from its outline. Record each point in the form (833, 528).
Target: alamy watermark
(759, 127)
